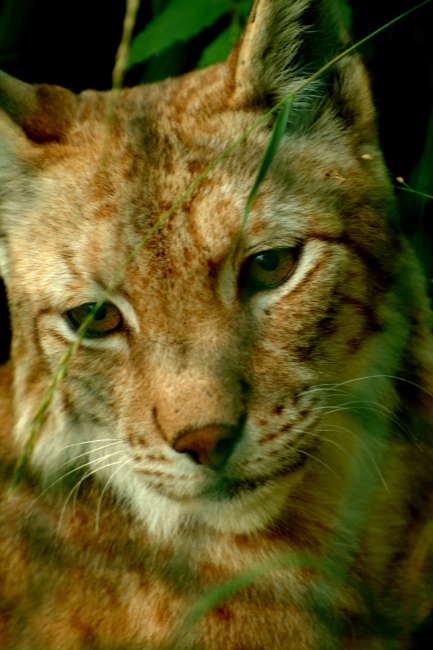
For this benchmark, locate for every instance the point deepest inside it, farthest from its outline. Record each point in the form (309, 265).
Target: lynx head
(195, 391)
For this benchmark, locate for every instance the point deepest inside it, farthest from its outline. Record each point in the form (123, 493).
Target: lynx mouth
(227, 488)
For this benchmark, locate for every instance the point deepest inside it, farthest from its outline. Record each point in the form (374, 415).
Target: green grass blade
(219, 594)
(216, 596)
(271, 150)
(325, 569)
(406, 188)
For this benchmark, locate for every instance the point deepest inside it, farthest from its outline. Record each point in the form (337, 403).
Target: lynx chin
(222, 410)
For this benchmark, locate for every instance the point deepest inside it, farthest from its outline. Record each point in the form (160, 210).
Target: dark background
(73, 44)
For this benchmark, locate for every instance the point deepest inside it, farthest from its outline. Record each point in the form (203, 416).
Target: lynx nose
(209, 446)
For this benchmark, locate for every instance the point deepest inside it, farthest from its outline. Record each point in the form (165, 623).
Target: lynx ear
(284, 43)
(29, 116)
(43, 112)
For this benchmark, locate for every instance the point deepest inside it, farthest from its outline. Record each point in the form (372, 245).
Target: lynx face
(200, 390)
(195, 379)
(232, 400)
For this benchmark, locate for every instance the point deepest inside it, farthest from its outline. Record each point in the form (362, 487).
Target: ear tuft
(284, 43)
(43, 112)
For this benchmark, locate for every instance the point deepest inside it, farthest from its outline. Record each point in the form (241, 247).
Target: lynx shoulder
(266, 405)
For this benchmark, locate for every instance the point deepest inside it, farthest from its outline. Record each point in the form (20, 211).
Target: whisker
(317, 434)
(364, 445)
(406, 381)
(348, 406)
(98, 509)
(71, 472)
(365, 377)
(86, 453)
(77, 485)
(306, 453)
(76, 489)
(324, 388)
(371, 419)
(85, 442)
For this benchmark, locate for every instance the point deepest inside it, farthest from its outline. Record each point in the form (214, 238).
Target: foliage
(180, 20)
(347, 13)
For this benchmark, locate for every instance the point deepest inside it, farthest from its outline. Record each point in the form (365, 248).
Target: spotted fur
(322, 384)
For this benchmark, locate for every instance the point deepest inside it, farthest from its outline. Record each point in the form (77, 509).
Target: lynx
(265, 406)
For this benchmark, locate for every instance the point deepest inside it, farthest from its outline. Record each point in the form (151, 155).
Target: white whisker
(332, 387)
(77, 485)
(85, 442)
(86, 453)
(394, 377)
(349, 406)
(334, 427)
(332, 442)
(98, 509)
(63, 476)
(76, 489)
(324, 388)
(306, 453)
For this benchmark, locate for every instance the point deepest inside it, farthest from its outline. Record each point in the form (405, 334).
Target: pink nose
(210, 445)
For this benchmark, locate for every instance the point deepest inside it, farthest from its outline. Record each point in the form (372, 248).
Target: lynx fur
(270, 407)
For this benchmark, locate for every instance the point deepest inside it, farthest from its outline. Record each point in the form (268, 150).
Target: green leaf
(180, 21)
(244, 8)
(221, 47)
(274, 142)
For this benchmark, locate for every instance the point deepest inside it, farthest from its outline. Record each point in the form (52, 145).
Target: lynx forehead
(227, 404)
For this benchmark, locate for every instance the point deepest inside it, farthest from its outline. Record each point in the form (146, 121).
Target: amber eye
(269, 268)
(106, 320)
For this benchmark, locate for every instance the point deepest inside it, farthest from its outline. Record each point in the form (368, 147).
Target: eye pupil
(101, 313)
(106, 320)
(268, 269)
(268, 261)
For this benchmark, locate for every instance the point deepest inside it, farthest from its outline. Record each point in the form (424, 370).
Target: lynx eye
(106, 320)
(269, 268)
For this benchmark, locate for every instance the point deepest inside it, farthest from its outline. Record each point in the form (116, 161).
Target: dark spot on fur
(268, 437)
(222, 613)
(212, 272)
(196, 167)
